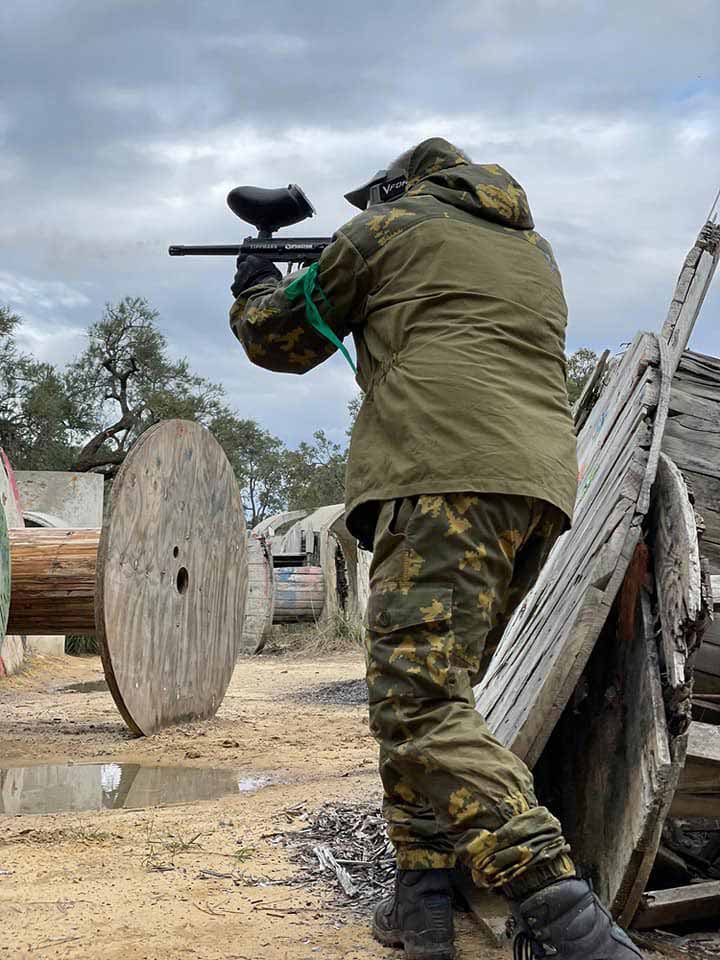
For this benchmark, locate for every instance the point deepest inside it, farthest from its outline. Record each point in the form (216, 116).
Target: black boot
(566, 921)
(419, 916)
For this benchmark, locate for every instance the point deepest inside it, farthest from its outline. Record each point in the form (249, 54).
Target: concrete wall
(77, 498)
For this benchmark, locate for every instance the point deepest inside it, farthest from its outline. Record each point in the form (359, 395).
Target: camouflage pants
(446, 575)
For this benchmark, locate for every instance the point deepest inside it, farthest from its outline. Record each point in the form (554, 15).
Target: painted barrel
(299, 594)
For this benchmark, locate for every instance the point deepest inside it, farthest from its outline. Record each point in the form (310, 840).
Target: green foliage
(77, 645)
(580, 365)
(38, 418)
(258, 461)
(125, 382)
(315, 474)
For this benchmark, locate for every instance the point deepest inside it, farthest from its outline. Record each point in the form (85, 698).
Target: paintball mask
(384, 187)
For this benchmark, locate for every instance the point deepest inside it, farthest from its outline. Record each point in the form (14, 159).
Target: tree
(580, 365)
(258, 461)
(353, 409)
(315, 473)
(38, 419)
(125, 382)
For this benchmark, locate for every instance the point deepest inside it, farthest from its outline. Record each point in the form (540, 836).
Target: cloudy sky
(123, 124)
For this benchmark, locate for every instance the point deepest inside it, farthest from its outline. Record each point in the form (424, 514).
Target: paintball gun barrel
(268, 211)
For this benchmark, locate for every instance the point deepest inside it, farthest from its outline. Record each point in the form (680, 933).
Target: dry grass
(338, 635)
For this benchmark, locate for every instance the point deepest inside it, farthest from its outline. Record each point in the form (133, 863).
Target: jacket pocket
(429, 605)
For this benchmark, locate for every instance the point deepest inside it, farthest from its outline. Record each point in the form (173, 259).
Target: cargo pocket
(410, 641)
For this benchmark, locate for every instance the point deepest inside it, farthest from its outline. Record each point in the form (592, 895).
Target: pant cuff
(539, 876)
(414, 858)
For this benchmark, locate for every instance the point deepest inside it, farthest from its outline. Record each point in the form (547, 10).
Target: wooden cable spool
(162, 586)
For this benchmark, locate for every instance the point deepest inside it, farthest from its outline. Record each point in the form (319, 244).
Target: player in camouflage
(461, 476)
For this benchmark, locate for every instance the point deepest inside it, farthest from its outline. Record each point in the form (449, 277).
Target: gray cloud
(123, 123)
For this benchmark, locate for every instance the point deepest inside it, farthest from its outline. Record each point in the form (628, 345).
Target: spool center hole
(182, 580)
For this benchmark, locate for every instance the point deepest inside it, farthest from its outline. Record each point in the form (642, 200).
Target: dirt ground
(207, 878)
(143, 884)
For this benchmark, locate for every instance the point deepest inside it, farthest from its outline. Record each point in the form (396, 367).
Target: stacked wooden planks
(692, 440)
(592, 681)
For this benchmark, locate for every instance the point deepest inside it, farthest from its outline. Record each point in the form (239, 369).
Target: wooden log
(662, 908)
(53, 580)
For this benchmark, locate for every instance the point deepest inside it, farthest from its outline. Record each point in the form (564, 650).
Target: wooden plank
(704, 744)
(172, 578)
(692, 285)
(698, 792)
(706, 711)
(610, 770)
(677, 572)
(260, 598)
(662, 908)
(590, 392)
(551, 636)
(53, 581)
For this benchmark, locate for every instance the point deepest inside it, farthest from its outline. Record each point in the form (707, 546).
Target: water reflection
(55, 788)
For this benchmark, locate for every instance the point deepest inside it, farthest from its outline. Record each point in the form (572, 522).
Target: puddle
(57, 788)
(87, 686)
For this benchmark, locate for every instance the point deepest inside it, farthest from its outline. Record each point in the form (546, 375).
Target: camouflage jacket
(457, 311)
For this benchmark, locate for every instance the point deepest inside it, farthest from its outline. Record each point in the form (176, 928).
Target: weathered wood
(53, 581)
(172, 576)
(591, 391)
(327, 544)
(260, 599)
(12, 646)
(677, 574)
(610, 769)
(705, 710)
(692, 285)
(662, 908)
(691, 440)
(698, 793)
(550, 638)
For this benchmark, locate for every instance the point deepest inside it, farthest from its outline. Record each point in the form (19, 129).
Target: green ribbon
(305, 285)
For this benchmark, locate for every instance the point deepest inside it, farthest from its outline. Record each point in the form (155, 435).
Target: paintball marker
(268, 210)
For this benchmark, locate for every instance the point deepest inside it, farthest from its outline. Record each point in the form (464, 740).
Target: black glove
(252, 270)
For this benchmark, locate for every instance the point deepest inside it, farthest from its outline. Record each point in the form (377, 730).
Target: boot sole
(413, 951)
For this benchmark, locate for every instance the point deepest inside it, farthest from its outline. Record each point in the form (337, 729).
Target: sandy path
(86, 885)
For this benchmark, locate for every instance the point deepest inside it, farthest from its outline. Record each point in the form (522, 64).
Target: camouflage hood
(439, 169)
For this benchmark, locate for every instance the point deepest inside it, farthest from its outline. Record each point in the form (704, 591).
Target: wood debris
(346, 847)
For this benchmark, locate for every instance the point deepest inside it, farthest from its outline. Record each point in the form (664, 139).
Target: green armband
(305, 285)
